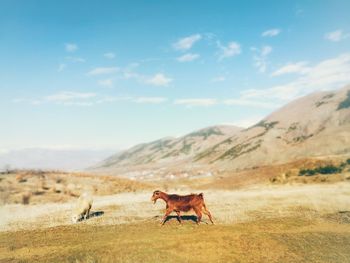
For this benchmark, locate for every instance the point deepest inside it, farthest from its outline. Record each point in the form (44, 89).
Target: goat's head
(155, 196)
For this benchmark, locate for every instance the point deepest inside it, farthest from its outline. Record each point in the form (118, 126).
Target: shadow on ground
(183, 218)
(96, 214)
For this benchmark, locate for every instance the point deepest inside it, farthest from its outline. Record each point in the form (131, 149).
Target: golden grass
(44, 187)
(269, 240)
(227, 207)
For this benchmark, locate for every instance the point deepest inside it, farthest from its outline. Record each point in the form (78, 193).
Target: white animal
(82, 208)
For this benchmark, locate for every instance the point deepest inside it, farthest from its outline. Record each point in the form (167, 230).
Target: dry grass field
(35, 187)
(268, 240)
(266, 222)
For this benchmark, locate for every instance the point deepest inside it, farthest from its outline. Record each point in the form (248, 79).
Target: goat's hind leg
(206, 211)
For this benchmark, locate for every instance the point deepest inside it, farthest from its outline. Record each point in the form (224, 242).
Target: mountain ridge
(315, 125)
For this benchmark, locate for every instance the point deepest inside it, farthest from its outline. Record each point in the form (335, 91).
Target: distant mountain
(311, 126)
(169, 151)
(41, 158)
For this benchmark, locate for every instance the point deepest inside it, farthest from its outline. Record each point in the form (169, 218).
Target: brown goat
(182, 203)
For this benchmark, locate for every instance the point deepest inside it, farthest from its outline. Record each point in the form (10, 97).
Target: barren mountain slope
(311, 126)
(169, 150)
(314, 125)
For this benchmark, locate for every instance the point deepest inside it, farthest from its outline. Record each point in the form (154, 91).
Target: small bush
(329, 169)
(345, 103)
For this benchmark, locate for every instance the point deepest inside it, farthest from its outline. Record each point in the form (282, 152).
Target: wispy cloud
(103, 71)
(69, 96)
(260, 57)
(188, 57)
(232, 49)
(150, 100)
(61, 67)
(78, 103)
(129, 71)
(159, 79)
(328, 74)
(75, 59)
(336, 35)
(298, 67)
(71, 47)
(271, 32)
(109, 55)
(187, 42)
(108, 83)
(218, 79)
(196, 102)
(111, 99)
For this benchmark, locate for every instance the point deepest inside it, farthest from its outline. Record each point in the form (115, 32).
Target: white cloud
(61, 67)
(187, 42)
(108, 83)
(150, 100)
(328, 74)
(266, 50)
(232, 49)
(271, 32)
(103, 70)
(188, 57)
(78, 103)
(76, 59)
(71, 47)
(196, 102)
(336, 35)
(110, 99)
(159, 79)
(69, 96)
(250, 103)
(109, 55)
(18, 100)
(260, 57)
(129, 71)
(218, 79)
(299, 67)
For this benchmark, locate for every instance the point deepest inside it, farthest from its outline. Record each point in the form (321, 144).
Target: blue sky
(110, 74)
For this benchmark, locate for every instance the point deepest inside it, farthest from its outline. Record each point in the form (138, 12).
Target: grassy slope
(278, 240)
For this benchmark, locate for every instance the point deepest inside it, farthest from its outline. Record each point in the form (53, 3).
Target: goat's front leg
(199, 215)
(87, 215)
(167, 213)
(179, 216)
